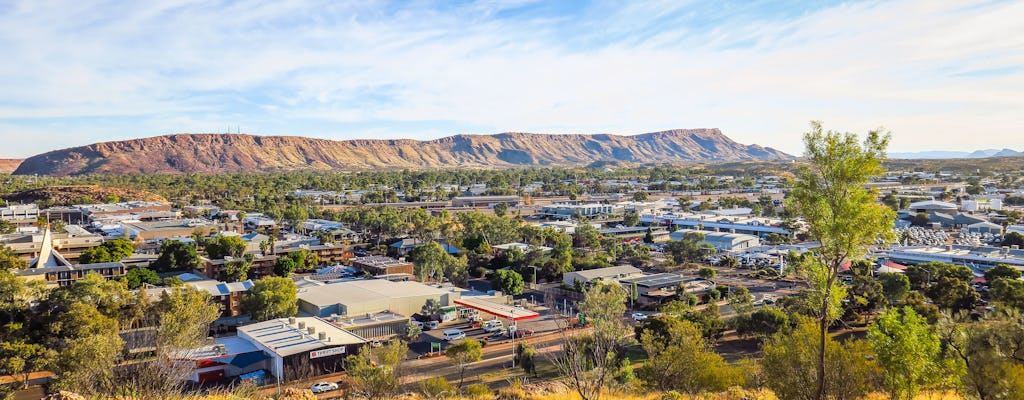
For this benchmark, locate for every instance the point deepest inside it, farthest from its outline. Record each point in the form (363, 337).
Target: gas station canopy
(497, 309)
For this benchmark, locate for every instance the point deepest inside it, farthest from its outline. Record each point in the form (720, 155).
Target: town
(465, 282)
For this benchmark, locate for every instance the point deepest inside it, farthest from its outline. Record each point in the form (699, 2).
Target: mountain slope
(8, 165)
(216, 153)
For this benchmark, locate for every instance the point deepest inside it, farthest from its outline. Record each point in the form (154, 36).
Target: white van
(493, 325)
(454, 334)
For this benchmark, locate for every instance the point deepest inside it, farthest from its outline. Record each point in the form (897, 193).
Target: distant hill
(922, 155)
(8, 165)
(218, 153)
(84, 194)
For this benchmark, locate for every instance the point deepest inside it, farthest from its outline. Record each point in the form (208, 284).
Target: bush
(477, 391)
(437, 388)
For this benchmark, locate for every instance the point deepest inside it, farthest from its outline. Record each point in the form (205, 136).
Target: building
(165, 229)
(978, 258)
(759, 227)
(51, 267)
(929, 206)
(374, 326)
(484, 201)
(721, 241)
(609, 274)
(129, 207)
(226, 357)
(361, 297)
(523, 247)
(985, 227)
(569, 210)
(23, 216)
(381, 265)
(303, 346)
(228, 295)
(71, 243)
(666, 285)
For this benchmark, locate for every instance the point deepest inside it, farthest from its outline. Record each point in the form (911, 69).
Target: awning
(496, 309)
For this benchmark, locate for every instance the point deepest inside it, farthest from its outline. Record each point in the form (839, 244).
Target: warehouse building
(304, 346)
(610, 274)
(721, 241)
(360, 297)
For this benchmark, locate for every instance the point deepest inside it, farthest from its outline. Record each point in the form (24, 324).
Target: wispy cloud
(940, 75)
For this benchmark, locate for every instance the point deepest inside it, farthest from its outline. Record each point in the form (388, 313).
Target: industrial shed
(370, 296)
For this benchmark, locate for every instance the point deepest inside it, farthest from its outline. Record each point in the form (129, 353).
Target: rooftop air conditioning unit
(322, 336)
(291, 320)
(311, 330)
(302, 325)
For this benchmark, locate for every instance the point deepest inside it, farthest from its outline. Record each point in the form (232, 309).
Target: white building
(610, 274)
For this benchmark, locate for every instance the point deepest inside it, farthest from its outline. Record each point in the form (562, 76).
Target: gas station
(501, 312)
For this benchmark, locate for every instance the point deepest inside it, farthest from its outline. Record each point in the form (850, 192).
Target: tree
(86, 365)
(587, 236)
(706, 273)
(508, 282)
(501, 209)
(9, 260)
(376, 372)
(1009, 292)
(864, 295)
(649, 236)
(895, 286)
(271, 297)
(906, 349)
(1013, 239)
(431, 260)
(953, 294)
(222, 246)
(640, 196)
(110, 251)
(176, 256)
(987, 355)
(1001, 271)
(237, 270)
(763, 323)
(464, 353)
(631, 219)
(920, 219)
(525, 357)
(284, 266)
(790, 362)
(683, 361)
(690, 248)
(136, 277)
(589, 360)
(7, 227)
(741, 300)
(840, 213)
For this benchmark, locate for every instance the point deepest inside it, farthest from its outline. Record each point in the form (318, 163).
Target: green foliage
(284, 266)
(920, 219)
(679, 359)
(895, 286)
(791, 359)
(1013, 239)
(762, 323)
(477, 391)
(526, 356)
(691, 248)
(988, 355)
(706, 273)
(1009, 292)
(110, 251)
(271, 297)
(864, 295)
(1002, 271)
(136, 277)
(907, 351)
(237, 270)
(508, 282)
(741, 300)
(221, 246)
(631, 219)
(9, 260)
(176, 256)
(950, 293)
(7, 227)
(463, 353)
(375, 372)
(437, 388)
(430, 260)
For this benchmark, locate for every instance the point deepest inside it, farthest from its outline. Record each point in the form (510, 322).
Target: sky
(941, 75)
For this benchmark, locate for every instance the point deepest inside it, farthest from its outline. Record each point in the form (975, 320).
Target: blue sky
(940, 75)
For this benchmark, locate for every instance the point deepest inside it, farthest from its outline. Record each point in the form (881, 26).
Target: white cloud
(941, 76)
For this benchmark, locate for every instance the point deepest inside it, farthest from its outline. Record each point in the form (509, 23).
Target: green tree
(895, 286)
(431, 260)
(525, 357)
(110, 251)
(508, 282)
(1013, 239)
(86, 365)
(907, 351)
(136, 277)
(501, 209)
(284, 266)
(640, 196)
(222, 246)
(920, 219)
(271, 297)
(7, 227)
(376, 372)
(706, 273)
(237, 270)
(763, 323)
(685, 362)
(631, 219)
(590, 360)
(176, 256)
(840, 213)
(1002, 271)
(953, 294)
(790, 361)
(989, 352)
(690, 248)
(464, 353)
(9, 260)
(1009, 292)
(741, 300)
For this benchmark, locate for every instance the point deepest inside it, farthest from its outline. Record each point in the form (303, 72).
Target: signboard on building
(327, 352)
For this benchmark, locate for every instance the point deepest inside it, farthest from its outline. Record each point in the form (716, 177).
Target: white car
(639, 316)
(324, 387)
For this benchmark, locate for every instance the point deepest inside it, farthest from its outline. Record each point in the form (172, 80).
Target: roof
(521, 246)
(363, 291)
(224, 288)
(658, 280)
(932, 204)
(487, 305)
(60, 268)
(48, 256)
(591, 274)
(233, 345)
(285, 339)
(985, 224)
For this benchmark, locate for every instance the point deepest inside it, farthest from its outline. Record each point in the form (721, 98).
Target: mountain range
(958, 154)
(222, 153)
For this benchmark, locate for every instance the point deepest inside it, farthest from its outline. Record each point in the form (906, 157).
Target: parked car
(323, 387)
(521, 333)
(432, 324)
(639, 317)
(493, 326)
(454, 334)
